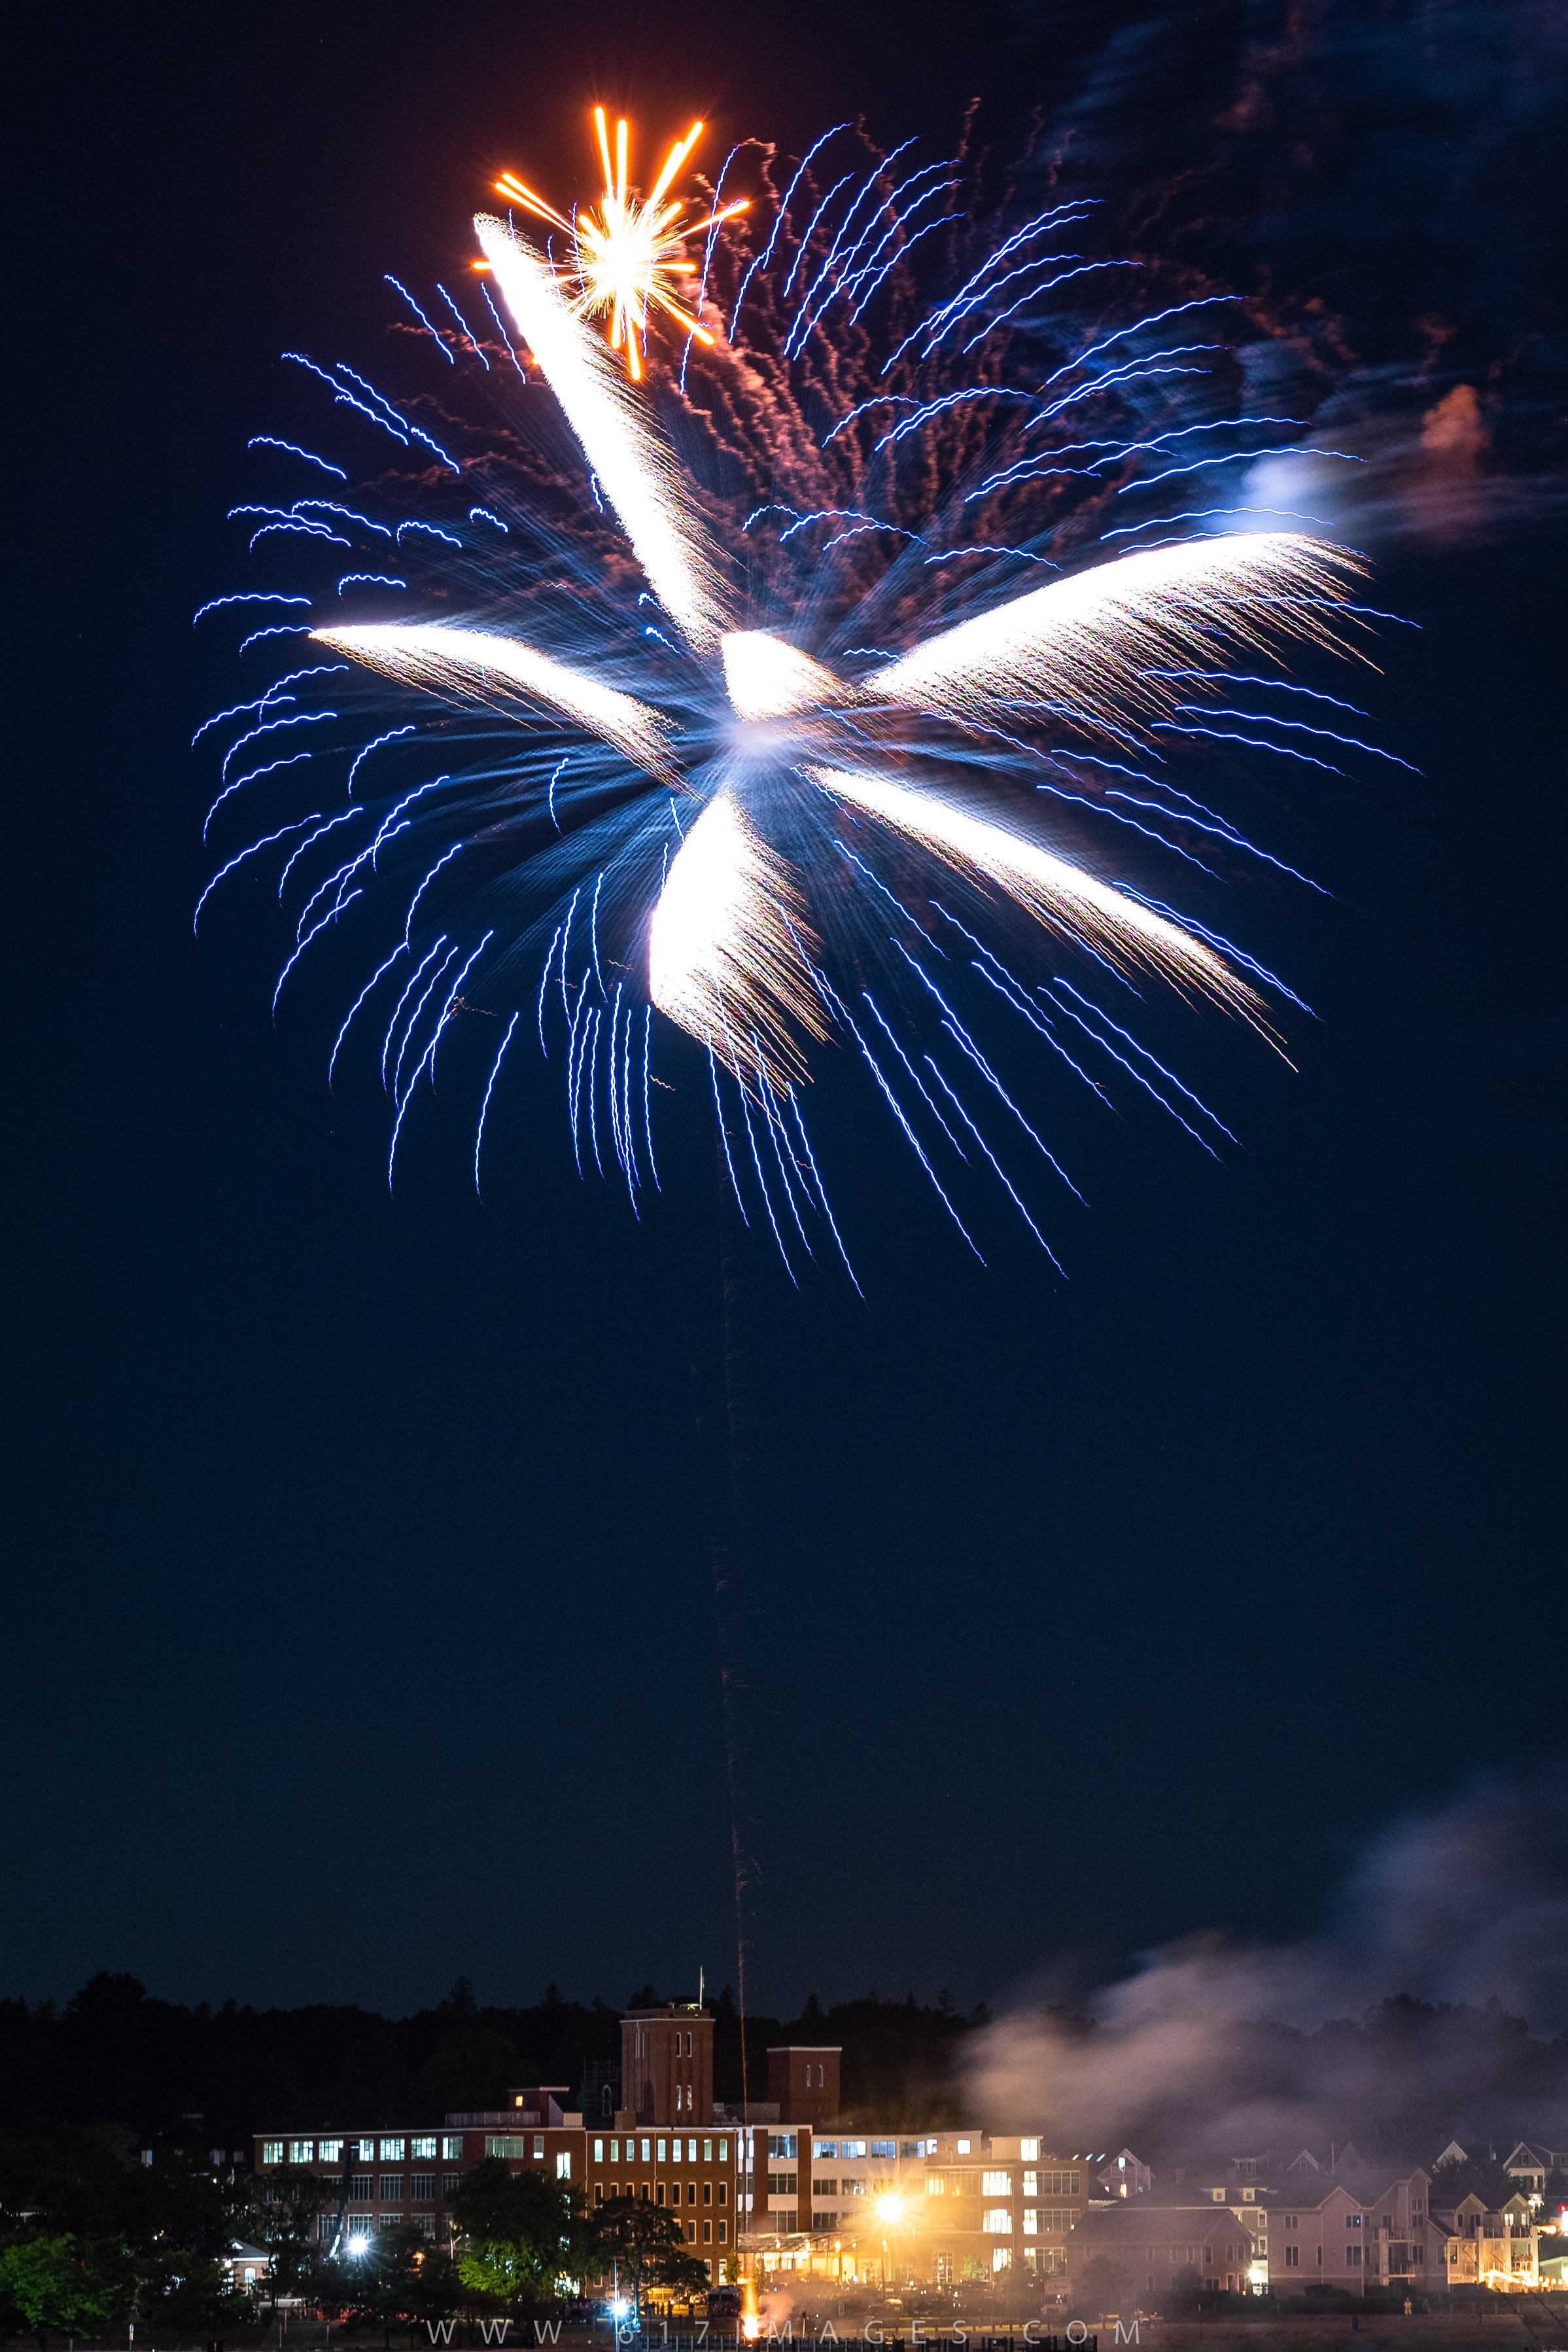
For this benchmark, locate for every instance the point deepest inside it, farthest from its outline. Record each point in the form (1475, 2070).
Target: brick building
(388, 2177)
(800, 2192)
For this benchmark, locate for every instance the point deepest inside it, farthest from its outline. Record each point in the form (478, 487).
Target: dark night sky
(360, 1623)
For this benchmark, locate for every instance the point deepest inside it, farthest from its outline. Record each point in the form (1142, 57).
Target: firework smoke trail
(723, 668)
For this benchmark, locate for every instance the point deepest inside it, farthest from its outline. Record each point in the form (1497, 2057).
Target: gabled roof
(1536, 2158)
(1373, 2188)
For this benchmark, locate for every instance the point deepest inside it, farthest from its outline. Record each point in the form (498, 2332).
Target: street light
(890, 2213)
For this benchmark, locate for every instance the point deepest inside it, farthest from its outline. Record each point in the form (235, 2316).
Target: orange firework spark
(630, 256)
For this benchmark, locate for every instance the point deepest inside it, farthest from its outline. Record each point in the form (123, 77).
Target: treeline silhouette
(213, 2077)
(1405, 2075)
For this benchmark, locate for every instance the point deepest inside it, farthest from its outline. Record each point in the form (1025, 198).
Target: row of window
(393, 2149)
(831, 2150)
(365, 2225)
(1000, 2184)
(514, 2149)
(1353, 2221)
(674, 2146)
(422, 2187)
(629, 2188)
(783, 2143)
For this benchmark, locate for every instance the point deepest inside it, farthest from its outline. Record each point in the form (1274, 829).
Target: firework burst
(629, 257)
(745, 709)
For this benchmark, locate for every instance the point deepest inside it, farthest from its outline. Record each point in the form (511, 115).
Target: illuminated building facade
(1498, 2249)
(1355, 2233)
(663, 2147)
(934, 2207)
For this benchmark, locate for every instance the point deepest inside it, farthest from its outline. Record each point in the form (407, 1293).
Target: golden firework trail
(628, 258)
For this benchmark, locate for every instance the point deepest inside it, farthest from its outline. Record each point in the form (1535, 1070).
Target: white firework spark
(730, 762)
(1091, 648)
(728, 946)
(634, 471)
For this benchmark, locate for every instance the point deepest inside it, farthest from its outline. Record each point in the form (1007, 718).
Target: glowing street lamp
(890, 2213)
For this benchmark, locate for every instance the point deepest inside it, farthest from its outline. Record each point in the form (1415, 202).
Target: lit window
(421, 2150)
(1032, 2184)
(509, 2145)
(964, 2147)
(995, 2184)
(850, 2148)
(300, 2151)
(707, 2151)
(997, 2222)
(452, 2147)
(563, 2164)
(614, 2151)
(661, 2151)
(330, 2151)
(782, 2144)
(538, 2144)
(599, 2151)
(1030, 2223)
(825, 2147)
(886, 2148)
(1029, 2151)
(724, 2151)
(271, 2151)
(391, 2151)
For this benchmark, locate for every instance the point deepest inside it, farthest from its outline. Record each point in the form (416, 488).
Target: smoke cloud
(1379, 185)
(1421, 2010)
